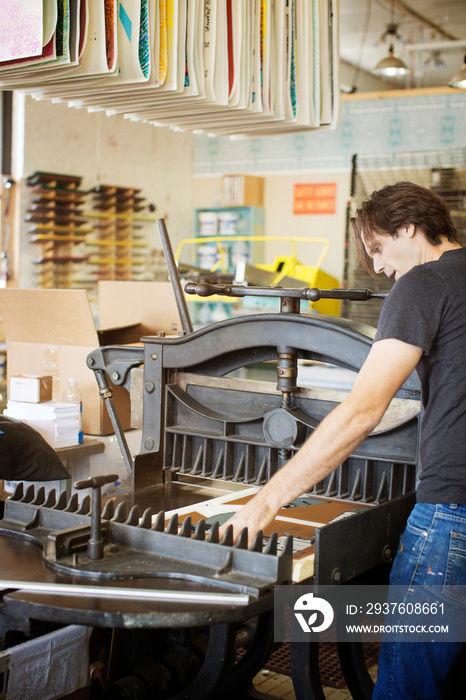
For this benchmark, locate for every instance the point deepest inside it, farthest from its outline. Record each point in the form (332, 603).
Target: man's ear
(410, 230)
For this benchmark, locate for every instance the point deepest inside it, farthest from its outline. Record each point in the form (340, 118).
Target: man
(404, 231)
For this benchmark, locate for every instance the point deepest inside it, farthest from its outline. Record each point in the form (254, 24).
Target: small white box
(31, 388)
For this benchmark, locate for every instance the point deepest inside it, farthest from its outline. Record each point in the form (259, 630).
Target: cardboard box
(31, 388)
(51, 331)
(242, 190)
(151, 304)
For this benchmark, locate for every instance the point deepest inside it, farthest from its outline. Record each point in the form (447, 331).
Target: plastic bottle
(73, 395)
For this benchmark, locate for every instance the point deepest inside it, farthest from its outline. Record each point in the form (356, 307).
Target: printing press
(191, 616)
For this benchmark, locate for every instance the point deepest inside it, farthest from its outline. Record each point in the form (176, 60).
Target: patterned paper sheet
(20, 29)
(299, 519)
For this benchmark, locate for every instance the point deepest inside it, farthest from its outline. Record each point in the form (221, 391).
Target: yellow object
(284, 266)
(312, 276)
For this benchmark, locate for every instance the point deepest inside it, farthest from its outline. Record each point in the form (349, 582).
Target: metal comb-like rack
(141, 546)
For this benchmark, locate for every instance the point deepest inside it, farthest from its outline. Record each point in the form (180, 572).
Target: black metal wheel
(354, 668)
(173, 664)
(254, 641)
(305, 673)
(216, 659)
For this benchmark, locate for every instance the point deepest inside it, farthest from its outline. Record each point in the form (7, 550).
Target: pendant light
(391, 66)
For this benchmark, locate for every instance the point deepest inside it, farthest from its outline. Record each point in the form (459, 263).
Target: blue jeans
(432, 552)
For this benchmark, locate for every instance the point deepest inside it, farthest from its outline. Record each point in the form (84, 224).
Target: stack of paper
(216, 66)
(300, 518)
(57, 422)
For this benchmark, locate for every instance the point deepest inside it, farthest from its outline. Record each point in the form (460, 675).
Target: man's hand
(253, 515)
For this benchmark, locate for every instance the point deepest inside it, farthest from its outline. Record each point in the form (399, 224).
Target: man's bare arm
(388, 365)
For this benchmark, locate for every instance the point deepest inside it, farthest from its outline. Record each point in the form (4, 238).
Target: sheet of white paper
(50, 20)
(49, 666)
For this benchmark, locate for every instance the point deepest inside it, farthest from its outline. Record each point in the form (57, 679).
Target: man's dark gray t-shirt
(427, 308)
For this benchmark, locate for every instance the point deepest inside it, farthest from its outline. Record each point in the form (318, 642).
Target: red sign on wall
(319, 198)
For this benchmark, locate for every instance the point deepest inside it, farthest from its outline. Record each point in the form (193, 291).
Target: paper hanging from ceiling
(222, 67)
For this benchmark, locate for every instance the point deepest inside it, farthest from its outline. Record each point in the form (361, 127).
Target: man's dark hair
(395, 206)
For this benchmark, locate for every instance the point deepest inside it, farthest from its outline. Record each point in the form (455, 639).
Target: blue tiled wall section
(383, 127)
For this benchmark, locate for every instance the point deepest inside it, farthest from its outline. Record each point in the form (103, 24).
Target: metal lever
(204, 289)
(106, 393)
(132, 593)
(314, 294)
(175, 278)
(95, 546)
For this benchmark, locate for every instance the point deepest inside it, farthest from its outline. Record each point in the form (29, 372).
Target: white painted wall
(280, 219)
(112, 151)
